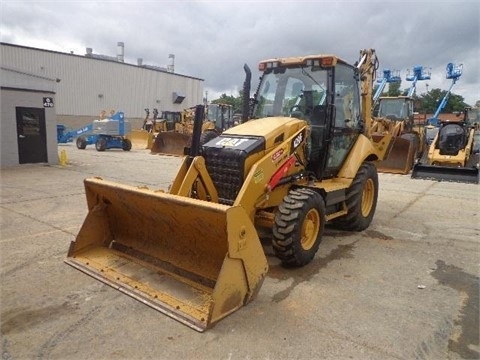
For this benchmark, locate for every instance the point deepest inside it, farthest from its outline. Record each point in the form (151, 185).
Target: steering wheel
(297, 110)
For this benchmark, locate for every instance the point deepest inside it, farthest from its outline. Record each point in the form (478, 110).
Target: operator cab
(452, 138)
(324, 92)
(398, 108)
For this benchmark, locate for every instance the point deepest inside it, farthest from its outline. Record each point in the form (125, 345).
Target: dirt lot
(408, 287)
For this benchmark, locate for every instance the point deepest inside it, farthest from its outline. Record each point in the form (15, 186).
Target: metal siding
(124, 87)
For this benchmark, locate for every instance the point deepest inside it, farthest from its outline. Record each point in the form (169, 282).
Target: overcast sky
(213, 39)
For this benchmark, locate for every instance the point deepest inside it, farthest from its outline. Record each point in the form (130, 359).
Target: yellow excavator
(303, 159)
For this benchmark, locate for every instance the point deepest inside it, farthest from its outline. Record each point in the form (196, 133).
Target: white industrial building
(91, 83)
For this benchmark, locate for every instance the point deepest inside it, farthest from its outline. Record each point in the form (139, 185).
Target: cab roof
(322, 59)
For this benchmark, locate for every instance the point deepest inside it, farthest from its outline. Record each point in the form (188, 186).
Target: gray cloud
(213, 39)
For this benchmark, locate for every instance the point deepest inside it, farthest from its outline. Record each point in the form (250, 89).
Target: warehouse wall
(90, 85)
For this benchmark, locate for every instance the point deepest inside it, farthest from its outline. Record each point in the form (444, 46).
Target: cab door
(347, 118)
(31, 135)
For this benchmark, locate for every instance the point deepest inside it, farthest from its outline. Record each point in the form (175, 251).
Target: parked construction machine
(453, 154)
(303, 159)
(218, 117)
(144, 138)
(395, 115)
(176, 135)
(105, 133)
(65, 135)
(452, 146)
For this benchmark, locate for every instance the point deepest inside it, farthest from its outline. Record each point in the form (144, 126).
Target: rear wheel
(298, 227)
(361, 200)
(81, 143)
(101, 144)
(126, 145)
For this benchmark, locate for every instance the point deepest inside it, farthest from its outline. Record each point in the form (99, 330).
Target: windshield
(220, 114)
(291, 92)
(395, 109)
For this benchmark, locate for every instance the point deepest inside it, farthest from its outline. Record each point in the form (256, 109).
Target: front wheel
(298, 227)
(81, 143)
(361, 200)
(101, 144)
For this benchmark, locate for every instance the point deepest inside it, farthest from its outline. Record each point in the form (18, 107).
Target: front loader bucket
(172, 143)
(193, 260)
(446, 173)
(140, 139)
(400, 159)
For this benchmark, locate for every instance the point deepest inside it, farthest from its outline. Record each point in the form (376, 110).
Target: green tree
(236, 102)
(394, 89)
(432, 100)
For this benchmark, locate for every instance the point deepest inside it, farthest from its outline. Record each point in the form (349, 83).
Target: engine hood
(273, 129)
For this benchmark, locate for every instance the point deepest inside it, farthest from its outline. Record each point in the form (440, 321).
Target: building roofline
(23, 72)
(146, 67)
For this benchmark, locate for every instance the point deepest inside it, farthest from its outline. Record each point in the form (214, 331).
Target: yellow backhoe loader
(177, 135)
(144, 138)
(218, 117)
(303, 159)
(395, 115)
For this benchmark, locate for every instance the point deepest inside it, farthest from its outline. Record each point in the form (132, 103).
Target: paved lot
(407, 287)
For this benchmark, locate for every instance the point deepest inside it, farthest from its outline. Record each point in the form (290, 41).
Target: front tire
(298, 228)
(101, 144)
(81, 143)
(361, 199)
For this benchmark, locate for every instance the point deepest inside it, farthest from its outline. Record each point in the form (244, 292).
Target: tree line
(426, 103)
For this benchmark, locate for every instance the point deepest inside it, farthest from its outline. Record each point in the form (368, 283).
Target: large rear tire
(298, 228)
(361, 200)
